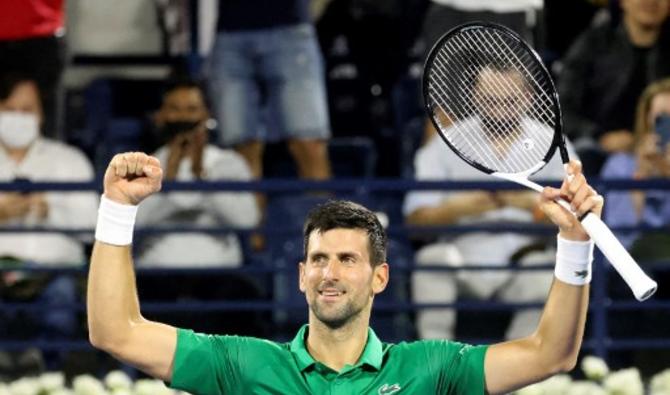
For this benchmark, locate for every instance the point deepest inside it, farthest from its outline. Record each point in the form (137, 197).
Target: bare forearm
(555, 344)
(561, 329)
(552, 349)
(112, 302)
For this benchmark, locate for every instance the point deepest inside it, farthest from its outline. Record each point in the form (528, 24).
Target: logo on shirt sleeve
(388, 389)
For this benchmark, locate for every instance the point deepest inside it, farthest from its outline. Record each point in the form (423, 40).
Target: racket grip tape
(642, 286)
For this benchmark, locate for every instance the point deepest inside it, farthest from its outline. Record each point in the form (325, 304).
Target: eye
(319, 259)
(348, 259)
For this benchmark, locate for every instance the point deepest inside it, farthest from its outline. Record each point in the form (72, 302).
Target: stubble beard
(339, 317)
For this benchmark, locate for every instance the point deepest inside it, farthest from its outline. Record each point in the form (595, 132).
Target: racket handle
(641, 285)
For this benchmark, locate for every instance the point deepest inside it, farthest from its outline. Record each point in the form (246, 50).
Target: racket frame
(558, 140)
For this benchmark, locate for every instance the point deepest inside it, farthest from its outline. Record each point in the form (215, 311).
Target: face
(337, 278)
(660, 104)
(25, 98)
(650, 13)
(183, 105)
(501, 98)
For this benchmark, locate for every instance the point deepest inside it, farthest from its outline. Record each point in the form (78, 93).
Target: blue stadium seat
(396, 325)
(118, 135)
(114, 109)
(410, 141)
(288, 213)
(352, 157)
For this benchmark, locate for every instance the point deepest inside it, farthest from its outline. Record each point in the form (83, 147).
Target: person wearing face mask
(186, 155)
(650, 159)
(26, 155)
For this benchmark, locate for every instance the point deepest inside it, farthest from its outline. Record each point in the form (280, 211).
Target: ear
(301, 276)
(380, 278)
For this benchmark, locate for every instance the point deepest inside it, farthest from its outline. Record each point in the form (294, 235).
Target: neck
(16, 154)
(336, 348)
(641, 35)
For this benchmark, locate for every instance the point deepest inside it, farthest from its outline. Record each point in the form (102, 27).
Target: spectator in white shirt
(187, 156)
(26, 155)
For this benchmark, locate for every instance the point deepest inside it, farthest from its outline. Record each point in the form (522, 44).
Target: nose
(332, 270)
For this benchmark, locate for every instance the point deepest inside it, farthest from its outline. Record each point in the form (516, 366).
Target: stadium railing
(598, 340)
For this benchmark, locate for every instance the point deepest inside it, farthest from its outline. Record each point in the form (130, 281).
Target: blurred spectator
(267, 67)
(444, 15)
(27, 156)
(604, 73)
(122, 27)
(560, 35)
(31, 41)
(650, 159)
(187, 156)
(436, 162)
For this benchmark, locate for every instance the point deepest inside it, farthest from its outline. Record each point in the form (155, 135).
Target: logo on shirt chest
(388, 389)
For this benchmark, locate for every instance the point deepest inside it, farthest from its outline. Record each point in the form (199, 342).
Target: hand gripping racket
(495, 105)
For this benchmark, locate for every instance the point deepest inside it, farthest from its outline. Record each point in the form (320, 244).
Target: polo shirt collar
(372, 353)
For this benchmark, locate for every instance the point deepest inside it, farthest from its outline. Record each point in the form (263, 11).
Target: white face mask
(18, 129)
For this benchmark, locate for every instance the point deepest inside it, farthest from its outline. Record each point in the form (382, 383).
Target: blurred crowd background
(320, 90)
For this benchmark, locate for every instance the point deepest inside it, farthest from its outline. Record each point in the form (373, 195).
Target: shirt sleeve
(467, 368)
(203, 364)
(72, 209)
(458, 368)
(428, 165)
(234, 208)
(619, 208)
(214, 364)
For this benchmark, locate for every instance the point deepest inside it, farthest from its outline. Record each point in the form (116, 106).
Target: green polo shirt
(211, 365)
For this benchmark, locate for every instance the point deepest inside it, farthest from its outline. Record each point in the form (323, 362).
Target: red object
(22, 19)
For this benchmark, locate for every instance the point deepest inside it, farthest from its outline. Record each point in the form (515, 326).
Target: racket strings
(543, 111)
(486, 149)
(535, 76)
(496, 121)
(481, 148)
(500, 139)
(492, 147)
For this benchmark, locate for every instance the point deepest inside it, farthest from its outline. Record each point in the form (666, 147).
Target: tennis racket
(494, 103)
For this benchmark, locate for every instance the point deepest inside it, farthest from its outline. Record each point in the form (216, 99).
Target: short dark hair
(186, 82)
(9, 81)
(348, 215)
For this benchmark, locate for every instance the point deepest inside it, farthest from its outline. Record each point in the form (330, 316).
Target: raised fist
(131, 177)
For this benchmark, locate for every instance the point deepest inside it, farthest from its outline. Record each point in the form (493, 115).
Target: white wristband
(115, 222)
(573, 261)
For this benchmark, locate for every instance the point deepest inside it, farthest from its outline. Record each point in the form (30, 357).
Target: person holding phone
(649, 159)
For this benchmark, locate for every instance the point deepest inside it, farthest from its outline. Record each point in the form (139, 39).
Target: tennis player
(337, 352)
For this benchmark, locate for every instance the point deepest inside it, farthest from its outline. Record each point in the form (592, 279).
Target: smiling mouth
(331, 293)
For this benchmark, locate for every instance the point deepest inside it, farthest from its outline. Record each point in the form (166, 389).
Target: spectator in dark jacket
(605, 72)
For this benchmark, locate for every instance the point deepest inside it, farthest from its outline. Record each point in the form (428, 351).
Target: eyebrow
(319, 254)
